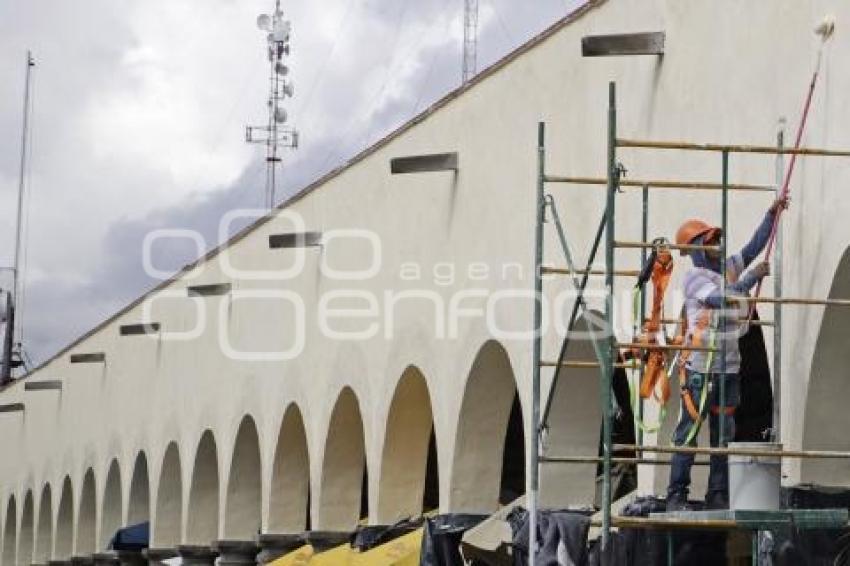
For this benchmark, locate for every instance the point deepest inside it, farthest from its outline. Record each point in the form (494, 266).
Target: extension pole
(786, 185)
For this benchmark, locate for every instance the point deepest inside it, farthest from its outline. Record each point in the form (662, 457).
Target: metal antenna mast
(275, 134)
(470, 39)
(8, 362)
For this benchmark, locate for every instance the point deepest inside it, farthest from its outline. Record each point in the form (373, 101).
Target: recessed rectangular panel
(12, 408)
(209, 290)
(139, 329)
(651, 43)
(424, 163)
(295, 240)
(52, 385)
(93, 358)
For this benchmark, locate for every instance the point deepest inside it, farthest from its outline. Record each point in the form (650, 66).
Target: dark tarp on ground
(648, 547)
(368, 537)
(134, 537)
(561, 537)
(441, 538)
(825, 547)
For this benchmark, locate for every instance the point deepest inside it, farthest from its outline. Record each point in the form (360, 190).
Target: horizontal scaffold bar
(615, 460)
(587, 365)
(653, 523)
(664, 347)
(545, 270)
(831, 454)
(767, 149)
(794, 301)
(682, 247)
(658, 184)
(751, 322)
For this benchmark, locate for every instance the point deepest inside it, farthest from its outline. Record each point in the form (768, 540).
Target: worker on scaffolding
(701, 371)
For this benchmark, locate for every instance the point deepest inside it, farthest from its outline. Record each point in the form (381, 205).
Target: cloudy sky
(139, 115)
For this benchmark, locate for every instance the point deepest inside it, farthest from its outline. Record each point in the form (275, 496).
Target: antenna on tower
(276, 134)
(470, 39)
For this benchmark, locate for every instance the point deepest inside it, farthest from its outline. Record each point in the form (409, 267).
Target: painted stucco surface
(205, 443)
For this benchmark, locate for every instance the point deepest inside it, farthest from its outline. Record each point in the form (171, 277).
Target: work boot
(716, 500)
(677, 501)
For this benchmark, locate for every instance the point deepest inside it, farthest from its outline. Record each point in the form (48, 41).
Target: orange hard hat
(692, 229)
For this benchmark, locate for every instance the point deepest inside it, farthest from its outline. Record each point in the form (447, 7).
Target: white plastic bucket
(755, 481)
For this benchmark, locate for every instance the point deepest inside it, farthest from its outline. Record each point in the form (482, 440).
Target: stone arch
(404, 460)
(44, 534)
(202, 520)
(169, 500)
(290, 488)
(65, 522)
(138, 507)
(87, 516)
(27, 531)
(486, 436)
(243, 506)
(10, 531)
(344, 467)
(111, 512)
(826, 417)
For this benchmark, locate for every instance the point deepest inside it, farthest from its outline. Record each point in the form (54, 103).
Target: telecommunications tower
(276, 134)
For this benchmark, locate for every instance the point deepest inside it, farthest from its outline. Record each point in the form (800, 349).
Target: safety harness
(655, 382)
(658, 269)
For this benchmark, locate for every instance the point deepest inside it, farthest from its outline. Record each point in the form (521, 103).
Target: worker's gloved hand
(780, 204)
(761, 270)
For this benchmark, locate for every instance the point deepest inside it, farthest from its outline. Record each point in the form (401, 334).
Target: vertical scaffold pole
(608, 351)
(721, 323)
(644, 237)
(534, 450)
(777, 308)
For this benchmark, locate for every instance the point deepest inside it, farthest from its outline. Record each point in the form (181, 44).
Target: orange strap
(697, 337)
(654, 372)
(715, 410)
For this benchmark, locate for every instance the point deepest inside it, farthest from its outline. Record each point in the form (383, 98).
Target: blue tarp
(134, 537)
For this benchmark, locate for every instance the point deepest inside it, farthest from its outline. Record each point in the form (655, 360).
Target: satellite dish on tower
(281, 69)
(288, 89)
(280, 115)
(264, 22)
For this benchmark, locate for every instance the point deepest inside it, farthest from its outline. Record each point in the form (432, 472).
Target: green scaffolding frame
(607, 348)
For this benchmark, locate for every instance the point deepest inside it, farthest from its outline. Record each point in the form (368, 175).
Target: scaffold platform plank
(807, 519)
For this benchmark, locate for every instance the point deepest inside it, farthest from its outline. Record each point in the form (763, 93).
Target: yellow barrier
(403, 551)
(298, 557)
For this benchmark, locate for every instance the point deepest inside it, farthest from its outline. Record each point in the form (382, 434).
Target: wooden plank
(650, 43)
(12, 408)
(139, 329)
(209, 290)
(52, 385)
(93, 358)
(295, 240)
(424, 163)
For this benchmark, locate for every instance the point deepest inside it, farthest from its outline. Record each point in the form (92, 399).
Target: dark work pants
(680, 468)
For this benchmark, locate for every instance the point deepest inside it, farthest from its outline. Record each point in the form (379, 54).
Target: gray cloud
(93, 203)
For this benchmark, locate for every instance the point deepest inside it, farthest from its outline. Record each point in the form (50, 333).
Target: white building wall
(730, 70)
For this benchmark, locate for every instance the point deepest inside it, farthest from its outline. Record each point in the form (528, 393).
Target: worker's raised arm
(706, 291)
(761, 236)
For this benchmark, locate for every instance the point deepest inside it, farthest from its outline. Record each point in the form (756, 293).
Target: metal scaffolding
(607, 347)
